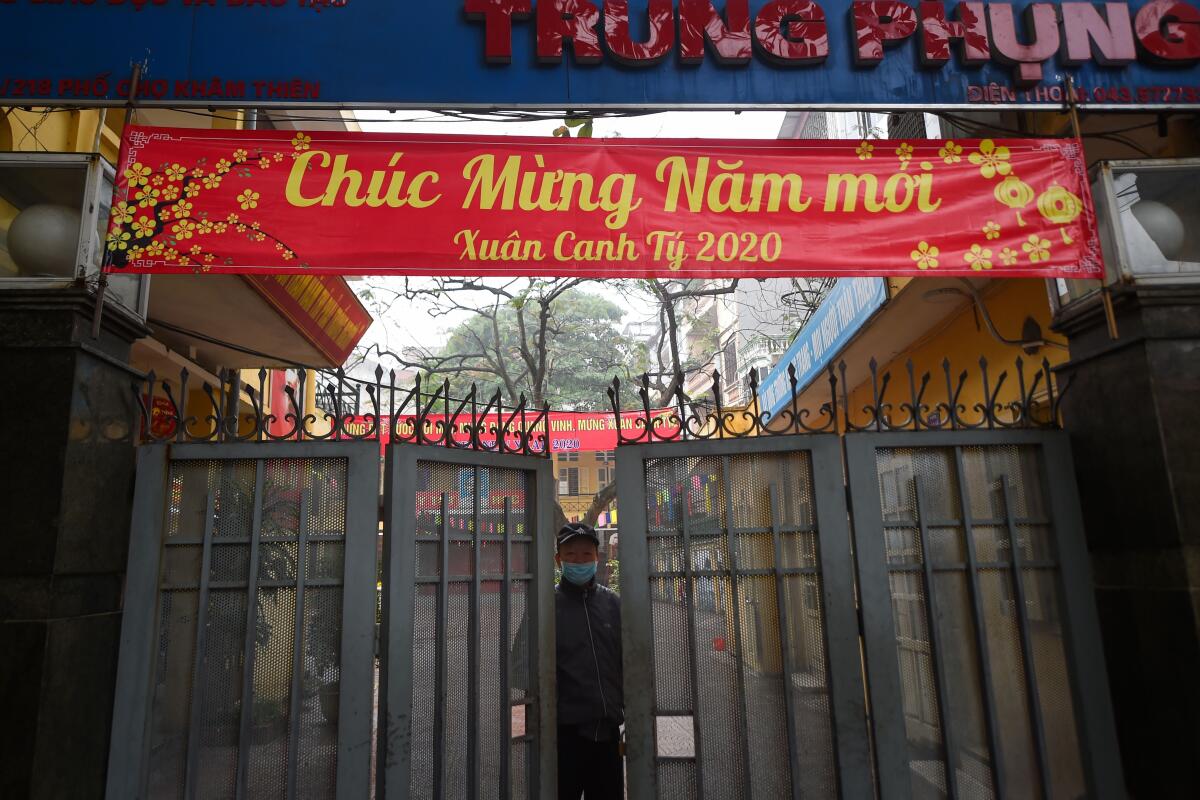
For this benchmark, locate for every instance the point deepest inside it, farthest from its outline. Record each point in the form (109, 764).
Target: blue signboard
(845, 310)
(690, 53)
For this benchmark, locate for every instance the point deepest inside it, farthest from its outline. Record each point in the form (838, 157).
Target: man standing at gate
(591, 702)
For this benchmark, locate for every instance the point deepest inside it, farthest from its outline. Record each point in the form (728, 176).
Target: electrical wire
(439, 116)
(967, 124)
(1122, 140)
(250, 351)
(229, 345)
(977, 298)
(975, 127)
(45, 114)
(1133, 127)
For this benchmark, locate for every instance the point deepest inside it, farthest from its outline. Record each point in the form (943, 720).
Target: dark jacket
(588, 653)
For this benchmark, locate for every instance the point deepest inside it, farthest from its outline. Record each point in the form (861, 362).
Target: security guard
(590, 699)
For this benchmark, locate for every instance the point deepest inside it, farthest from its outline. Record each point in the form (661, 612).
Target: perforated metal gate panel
(238, 583)
(734, 549)
(465, 695)
(971, 563)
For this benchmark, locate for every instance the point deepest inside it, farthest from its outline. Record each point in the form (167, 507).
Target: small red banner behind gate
(357, 203)
(569, 431)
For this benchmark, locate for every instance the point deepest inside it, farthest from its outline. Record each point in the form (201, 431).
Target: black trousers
(591, 769)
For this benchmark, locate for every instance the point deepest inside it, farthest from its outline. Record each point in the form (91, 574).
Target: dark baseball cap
(573, 529)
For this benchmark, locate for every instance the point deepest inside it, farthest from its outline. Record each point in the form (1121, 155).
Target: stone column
(66, 446)
(1132, 409)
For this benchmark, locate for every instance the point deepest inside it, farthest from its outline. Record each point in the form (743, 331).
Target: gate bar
(198, 660)
(473, 650)
(731, 546)
(693, 651)
(1031, 688)
(140, 627)
(949, 740)
(785, 643)
(1082, 642)
(397, 646)
(249, 648)
(298, 644)
(989, 697)
(439, 692)
(505, 657)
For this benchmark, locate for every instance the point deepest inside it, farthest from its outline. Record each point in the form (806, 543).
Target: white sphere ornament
(43, 240)
(1163, 224)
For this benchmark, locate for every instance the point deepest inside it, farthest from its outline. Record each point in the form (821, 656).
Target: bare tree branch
(601, 501)
(669, 301)
(514, 333)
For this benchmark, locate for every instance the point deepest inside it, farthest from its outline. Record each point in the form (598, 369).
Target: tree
(545, 339)
(675, 301)
(548, 340)
(676, 304)
(554, 342)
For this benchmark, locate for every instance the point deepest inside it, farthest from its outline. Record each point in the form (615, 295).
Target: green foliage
(614, 575)
(581, 125)
(583, 349)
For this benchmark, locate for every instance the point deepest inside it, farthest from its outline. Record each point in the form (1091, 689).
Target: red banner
(569, 430)
(162, 418)
(358, 203)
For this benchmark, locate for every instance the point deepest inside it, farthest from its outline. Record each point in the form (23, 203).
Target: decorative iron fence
(932, 403)
(390, 413)
(355, 410)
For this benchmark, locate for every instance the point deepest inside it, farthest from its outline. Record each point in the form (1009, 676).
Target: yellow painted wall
(963, 338)
(59, 131)
(589, 482)
(62, 131)
(200, 407)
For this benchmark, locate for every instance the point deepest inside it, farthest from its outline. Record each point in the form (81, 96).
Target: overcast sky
(409, 325)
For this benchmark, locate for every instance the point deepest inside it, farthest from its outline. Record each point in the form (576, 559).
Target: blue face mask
(579, 574)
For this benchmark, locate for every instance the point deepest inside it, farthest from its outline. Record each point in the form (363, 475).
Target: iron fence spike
(523, 426)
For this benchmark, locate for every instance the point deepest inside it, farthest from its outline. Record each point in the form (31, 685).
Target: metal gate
(247, 653)
(246, 647)
(982, 645)
(467, 681)
(740, 630)
(247, 663)
(961, 600)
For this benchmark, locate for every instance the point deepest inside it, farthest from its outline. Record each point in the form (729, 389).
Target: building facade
(70, 462)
